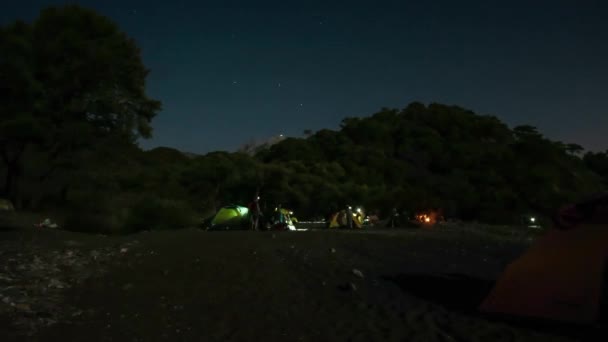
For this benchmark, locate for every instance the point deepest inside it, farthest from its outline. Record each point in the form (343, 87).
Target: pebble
(358, 273)
(34, 280)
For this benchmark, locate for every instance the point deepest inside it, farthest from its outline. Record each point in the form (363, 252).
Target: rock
(94, 254)
(127, 287)
(23, 307)
(56, 283)
(332, 250)
(124, 250)
(358, 273)
(4, 277)
(348, 287)
(33, 279)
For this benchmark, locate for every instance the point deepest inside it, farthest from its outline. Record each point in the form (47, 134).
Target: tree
(70, 78)
(20, 97)
(598, 163)
(307, 133)
(526, 131)
(574, 149)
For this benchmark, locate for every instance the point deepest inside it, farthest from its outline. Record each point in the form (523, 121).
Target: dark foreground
(193, 285)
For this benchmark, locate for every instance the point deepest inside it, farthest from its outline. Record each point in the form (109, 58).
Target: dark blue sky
(230, 71)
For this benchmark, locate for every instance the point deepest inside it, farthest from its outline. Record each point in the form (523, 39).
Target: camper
(347, 219)
(282, 219)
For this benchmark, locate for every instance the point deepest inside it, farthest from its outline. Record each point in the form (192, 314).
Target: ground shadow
(463, 294)
(455, 292)
(7, 226)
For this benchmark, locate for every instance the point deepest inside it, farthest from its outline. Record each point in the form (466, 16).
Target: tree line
(73, 106)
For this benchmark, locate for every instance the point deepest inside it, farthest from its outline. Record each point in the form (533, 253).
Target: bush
(94, 222)
(126, 213)
(152, 212)
(97, 213)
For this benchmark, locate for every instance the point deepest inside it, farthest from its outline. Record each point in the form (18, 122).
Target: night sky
(231, 71)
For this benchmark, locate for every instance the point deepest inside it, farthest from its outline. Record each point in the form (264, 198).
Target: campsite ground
(194, 285)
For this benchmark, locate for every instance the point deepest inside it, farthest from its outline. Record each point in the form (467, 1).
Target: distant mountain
(253, 147)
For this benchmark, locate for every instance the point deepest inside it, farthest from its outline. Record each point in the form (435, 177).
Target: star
(279, 85)
(234, 82)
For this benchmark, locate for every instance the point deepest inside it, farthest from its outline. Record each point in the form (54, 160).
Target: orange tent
(562, 276)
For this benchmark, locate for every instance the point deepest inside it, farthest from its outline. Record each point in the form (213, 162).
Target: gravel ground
(193, 285)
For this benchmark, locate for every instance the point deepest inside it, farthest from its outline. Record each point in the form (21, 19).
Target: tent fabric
(6, 205)
(283, 220)
(561, 277)
(230, 215)
(339, 220)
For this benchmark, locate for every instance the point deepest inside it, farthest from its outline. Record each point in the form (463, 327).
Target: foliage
(598, 163)
(69, 79)
(151, 213)
(96, 212)
(73, 103)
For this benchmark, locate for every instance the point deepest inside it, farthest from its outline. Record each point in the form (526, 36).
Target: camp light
(358, 210)
(532, 219)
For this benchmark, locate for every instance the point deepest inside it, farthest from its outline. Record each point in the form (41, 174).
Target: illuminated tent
(6, 205)
(231, 217)
(563, 276)
(340, 219)
(283, 219)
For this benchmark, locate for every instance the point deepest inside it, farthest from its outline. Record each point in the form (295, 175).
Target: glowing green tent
(232, 216)
(6, 205)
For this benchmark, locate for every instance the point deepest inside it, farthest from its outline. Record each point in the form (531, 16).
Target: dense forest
(73, 106)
